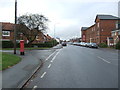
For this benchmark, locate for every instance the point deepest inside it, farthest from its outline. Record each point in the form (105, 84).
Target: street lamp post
(54, 33)
(54, 36)
(15, 27)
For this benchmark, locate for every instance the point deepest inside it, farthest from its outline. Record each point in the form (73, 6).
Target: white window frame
(118, 32)
(98, 24)
(116, 24)
(113, 33)
(4, 32)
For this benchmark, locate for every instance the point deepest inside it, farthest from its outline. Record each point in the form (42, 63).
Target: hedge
(103, 45)
(7, 44)
(46, 44)
(118, 45)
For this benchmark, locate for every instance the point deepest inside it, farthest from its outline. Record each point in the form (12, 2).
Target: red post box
(21, 47)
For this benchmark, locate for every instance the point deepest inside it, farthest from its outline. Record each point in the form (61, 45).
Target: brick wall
(106, 26)
(99, 32)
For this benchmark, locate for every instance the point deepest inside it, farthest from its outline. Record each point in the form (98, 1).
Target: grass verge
(9, 60)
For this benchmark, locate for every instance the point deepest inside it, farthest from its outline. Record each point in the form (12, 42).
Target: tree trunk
(30, 44)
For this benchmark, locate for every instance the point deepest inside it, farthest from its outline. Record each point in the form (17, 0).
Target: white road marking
(50, 56)
(34, 87)
(103, 59)
(55, 56)
(49, 66)
(43, 75)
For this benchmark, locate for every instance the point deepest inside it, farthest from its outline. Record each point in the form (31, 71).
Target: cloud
(70, 14)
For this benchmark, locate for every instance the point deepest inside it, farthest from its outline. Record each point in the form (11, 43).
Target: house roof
(7, 26)
(107, 17)
(48, 36)
(83, 28)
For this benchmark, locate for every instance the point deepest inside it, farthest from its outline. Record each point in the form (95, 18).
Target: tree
(30, 24)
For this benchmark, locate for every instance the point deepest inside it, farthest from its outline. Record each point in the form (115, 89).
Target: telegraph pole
(15, 26)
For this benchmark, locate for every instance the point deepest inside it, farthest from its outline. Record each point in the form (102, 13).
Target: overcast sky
(68, 16)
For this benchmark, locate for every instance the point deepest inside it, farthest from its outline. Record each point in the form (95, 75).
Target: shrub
(103, 45)
(7, 44)
(118, 45)
(25, 45)
(46, 44)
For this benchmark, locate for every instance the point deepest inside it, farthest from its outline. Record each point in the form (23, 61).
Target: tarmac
(17, 75)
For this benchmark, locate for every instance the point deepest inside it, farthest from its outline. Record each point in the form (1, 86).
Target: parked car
(76, 43)
(93, 45)
(64, 44)
(82, 43)
(87, 44)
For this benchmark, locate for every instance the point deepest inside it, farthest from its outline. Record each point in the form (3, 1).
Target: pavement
(17, 75)
(78, 67)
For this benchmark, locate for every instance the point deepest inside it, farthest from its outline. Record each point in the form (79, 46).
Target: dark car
(93, 45)
(64, 44)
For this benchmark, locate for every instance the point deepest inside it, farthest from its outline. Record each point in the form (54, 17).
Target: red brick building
(102, 28)
(8, 34)
(83, 33)
(7, 31)
(115, 36)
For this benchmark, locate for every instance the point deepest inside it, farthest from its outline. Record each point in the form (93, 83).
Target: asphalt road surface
(78, 67)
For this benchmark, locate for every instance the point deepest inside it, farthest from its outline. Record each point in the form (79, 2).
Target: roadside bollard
(21, 47)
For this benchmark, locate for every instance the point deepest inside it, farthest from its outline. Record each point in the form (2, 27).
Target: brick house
(115, 36)
(102, 28)
(48, 38)
(83, 34)
(91, 34)
(8, 34)
(7, 31)
(41, 38)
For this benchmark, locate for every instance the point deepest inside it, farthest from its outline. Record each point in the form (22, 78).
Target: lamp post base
(22, 53)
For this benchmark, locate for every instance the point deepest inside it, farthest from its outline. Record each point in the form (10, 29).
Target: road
(78, 67)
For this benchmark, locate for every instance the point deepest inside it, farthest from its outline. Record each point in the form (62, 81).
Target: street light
(54, 33)
(15, 27)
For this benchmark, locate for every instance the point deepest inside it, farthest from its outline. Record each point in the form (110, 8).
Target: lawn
(8, 60)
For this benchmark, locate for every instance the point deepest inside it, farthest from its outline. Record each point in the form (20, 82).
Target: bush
(25, 45)
(46, 44)
(7, 44)
(103, 45)
(41, 45)
(118, 45)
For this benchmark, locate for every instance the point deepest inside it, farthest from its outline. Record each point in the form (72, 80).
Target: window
(98, 33)
(98, 25)
(117, 25)
(92, 29)
(113, 33)
(118, 32)
(37, 37)
(5, 33)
